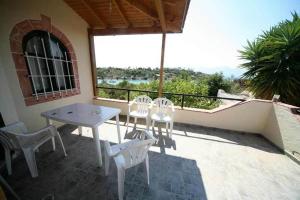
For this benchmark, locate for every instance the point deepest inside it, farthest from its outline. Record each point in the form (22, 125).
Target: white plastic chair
(127, 155)
(142, 104)
(162, 110)
(16, 137)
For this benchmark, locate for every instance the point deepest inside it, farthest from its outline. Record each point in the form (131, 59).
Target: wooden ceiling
(114, 17)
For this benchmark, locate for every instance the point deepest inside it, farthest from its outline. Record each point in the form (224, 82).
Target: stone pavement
(197, 163)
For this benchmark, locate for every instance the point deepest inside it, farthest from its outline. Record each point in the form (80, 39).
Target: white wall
(250, 116)
(272, 131)
(67, 21)
(7, 106)
(283, 128)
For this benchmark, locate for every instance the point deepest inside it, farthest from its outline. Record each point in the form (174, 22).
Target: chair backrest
(142, 102)
(163, 105)
(8, 137)
(137, 152)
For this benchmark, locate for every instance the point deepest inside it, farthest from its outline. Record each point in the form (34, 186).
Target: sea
(117, 81)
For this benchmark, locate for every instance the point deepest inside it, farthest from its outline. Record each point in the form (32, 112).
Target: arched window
(49, 64)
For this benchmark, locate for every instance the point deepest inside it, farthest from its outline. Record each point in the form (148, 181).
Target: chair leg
(153, 124)
(135, 121)
(61, 143)
(53, 144)
(31, 162)
(8, 160)
(80, 130)
(106, 157)
(127, 122)
(167, 126)
(147, 168)
(121, 179)
(171, 129)
(147, 123)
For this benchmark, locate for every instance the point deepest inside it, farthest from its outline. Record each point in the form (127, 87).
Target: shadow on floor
(253, 140)
(78, 177)
(163, 138)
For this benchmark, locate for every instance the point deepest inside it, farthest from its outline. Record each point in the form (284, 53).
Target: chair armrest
(108, 151)
(151, 105)
(50, 128)
(35, 139)
(130, 104)
(107, 148)
(173, 108)
(150, 108)
(172, 111)
(150, 136)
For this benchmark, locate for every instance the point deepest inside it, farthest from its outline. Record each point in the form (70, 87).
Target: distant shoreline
(117, 81)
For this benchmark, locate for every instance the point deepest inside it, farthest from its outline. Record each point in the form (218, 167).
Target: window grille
(49, 65)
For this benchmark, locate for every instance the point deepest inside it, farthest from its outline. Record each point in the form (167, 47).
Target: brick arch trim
(16, 38)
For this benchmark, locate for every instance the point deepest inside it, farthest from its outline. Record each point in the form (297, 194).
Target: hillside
(144, 73)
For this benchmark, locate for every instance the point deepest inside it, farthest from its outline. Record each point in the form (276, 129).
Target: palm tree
(273, 62)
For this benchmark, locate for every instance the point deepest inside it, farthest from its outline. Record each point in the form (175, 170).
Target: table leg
(118, 128)
(49, 122)
(80, 130)
(97, 144)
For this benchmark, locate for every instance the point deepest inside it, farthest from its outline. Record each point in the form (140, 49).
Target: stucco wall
(67, 21)
(283, 128)
(248, 116)
(7, 106)
(272, 131)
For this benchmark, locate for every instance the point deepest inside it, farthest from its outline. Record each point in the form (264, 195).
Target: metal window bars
(38, 79)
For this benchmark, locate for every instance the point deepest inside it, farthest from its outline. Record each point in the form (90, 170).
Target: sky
(214, 31)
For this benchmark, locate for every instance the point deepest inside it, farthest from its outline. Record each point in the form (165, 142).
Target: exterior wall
(8, 108)
(272, 130)
(68, 22)
(249, 116)
(283, 129)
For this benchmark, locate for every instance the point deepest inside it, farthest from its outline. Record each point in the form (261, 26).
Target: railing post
(182, 101)
(128, 95)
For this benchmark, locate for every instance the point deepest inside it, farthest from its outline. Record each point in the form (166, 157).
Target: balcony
(198, 163)
(246, 150)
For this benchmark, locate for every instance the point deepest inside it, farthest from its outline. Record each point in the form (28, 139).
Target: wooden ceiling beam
(125, 31)
(170, 3)
(93, 12)
(121, 12)
(161, 15)
(144, 9)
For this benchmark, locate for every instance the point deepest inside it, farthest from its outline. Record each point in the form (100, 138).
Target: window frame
(17, 34)
(50, 61)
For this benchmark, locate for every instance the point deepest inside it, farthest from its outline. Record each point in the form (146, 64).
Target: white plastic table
(85, 115)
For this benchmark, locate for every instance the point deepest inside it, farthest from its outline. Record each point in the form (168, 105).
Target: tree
(216, 82)
(273, 62)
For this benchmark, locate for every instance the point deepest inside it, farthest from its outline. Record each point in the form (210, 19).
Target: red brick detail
(32, 100)
(19, 61)
(16, 37)
(56, 32)
(24, 83)
(46, 23)
(16, 46)
(75, 68)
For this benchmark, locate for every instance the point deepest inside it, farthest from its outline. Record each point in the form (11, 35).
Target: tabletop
(81, 114)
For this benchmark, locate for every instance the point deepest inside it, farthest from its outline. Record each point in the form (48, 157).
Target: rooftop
(131, 16)
(197, 163)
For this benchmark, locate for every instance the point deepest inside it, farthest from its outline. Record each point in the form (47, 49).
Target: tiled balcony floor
(199, 163)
